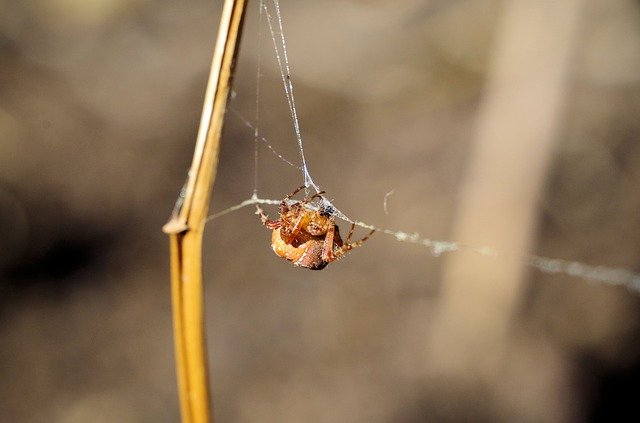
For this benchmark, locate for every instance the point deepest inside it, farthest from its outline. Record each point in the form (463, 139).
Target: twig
(186, 226)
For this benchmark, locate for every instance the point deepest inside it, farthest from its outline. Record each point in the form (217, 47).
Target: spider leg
(271, 224)
(327, 247)
(295, 191)
(353, 227)
(284, 207)
(348, 245)
(337, 240)
(360, 242)
(290, 235)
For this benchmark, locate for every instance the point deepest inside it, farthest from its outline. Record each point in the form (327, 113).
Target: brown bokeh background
(99, 106)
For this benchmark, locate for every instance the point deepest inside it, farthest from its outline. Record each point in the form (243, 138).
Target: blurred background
(509, 124)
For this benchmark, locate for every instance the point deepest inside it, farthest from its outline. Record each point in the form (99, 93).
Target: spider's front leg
(284, 207)
(271, 224)
(360, 242)
(290, 195)
(289, 234)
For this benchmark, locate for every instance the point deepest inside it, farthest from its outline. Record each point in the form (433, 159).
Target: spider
(306, 237)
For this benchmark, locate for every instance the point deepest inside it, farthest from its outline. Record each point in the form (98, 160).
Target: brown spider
(306, 237)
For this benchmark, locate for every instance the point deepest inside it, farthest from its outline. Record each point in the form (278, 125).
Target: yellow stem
(186, 226)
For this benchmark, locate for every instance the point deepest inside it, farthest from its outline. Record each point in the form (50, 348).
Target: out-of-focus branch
(515, 137)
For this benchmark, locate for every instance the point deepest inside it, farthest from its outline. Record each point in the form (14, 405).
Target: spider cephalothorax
(307, 236)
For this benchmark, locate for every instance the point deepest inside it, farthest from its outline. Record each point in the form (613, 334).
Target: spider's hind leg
(360, 242)
(348, 245)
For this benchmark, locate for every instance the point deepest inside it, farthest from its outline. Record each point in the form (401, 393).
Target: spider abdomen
(305, 250)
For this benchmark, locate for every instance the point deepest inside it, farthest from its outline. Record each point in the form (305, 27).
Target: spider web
(273, 18)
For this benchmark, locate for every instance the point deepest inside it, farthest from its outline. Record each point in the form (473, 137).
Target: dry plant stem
(186, 226)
